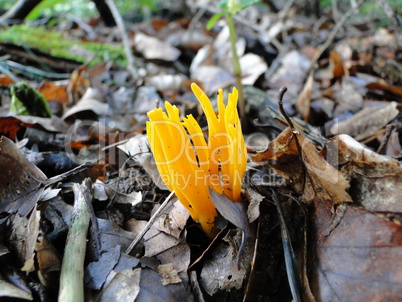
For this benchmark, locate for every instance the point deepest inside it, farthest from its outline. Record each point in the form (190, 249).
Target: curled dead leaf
(310, 175)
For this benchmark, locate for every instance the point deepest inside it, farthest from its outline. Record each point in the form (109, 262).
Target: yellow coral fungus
(228, 154)
(188, 165)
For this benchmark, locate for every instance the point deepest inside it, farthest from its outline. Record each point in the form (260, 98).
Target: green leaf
(37, 11)
(213, 21)
(247, 3)
(27, 101)
(223, 4)
(234, 6)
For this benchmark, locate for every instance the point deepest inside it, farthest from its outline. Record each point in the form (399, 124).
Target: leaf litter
(338, 190)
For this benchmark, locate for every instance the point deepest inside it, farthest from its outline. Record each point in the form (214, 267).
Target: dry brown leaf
(48, 262)
(359, 260)
(310, 175)
(79, 83)
(376, 179)
(304, 99)
(5, 80)
(20, 181)
(338, 69)
(23, 237)
(52, 92)
(12, 127)
(366, 121)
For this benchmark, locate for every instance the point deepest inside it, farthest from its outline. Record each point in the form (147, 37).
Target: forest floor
(320, 216)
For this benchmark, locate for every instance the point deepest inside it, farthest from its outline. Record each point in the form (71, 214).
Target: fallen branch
(72, 269)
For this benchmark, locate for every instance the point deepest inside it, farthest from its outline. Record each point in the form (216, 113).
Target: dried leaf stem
(72, 269)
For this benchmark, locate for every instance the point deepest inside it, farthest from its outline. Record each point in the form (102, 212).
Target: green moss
(59, 45)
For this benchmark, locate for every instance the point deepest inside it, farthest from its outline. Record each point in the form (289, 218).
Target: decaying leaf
(163, 82)
(53, 92)
(137, 147)
(252, 66)
(212, 78)
(90, 101)
(291, 73)
(97, 272)
(366, 121)
(5, 79)
(221, 272)
(375, 179)
(309, 174)
(11, 126)
(151, 288)
(78, 84)
(25, 231)
(123, 287)
(112, 235)
(153, 48)
(165, 232)
(304, 99)
(253, 210)
(20, 181)
(48, 261)
(10, 291)
(358, 260)
(236, 213)
(168, 273)
(173, 220)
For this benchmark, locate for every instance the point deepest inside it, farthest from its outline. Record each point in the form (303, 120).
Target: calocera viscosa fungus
(189, 165)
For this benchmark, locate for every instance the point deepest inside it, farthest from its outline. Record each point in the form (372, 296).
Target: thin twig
(388, 131)
(290, 258)
(61, 177)
(124, 37)
(150, 223)
(282, 91)
(194, 21)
